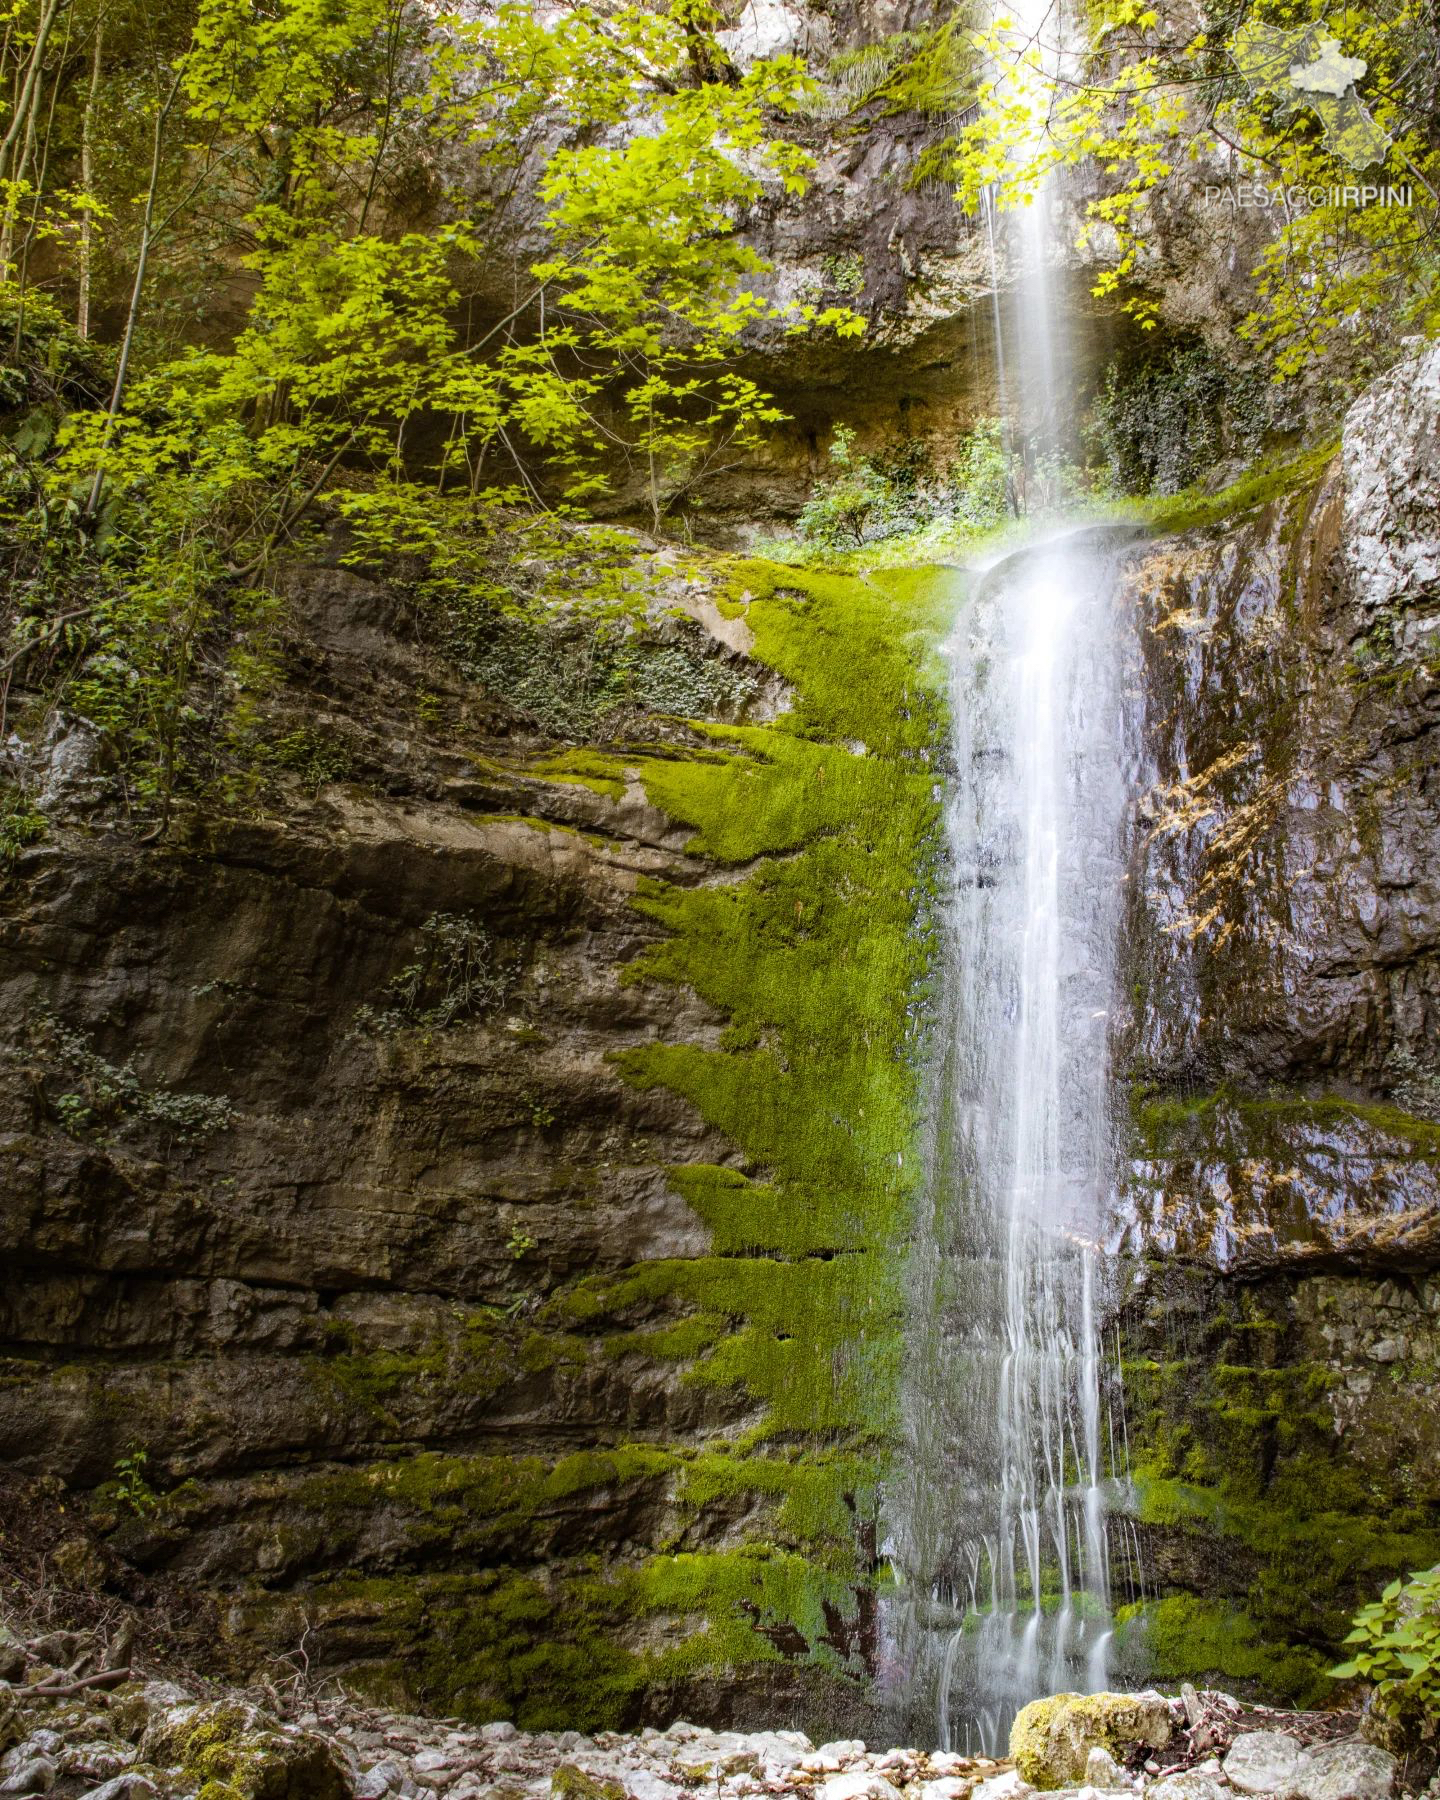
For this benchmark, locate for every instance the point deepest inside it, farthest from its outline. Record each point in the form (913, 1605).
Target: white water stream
(1002, 1537)
(1035, 826)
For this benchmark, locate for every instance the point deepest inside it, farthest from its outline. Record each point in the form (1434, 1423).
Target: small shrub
(453, 976)
(21, 824)
(845, 274)
(1396, 1645)
(879, 496)
(113, 1094)
(317, 757)
(133, 1492)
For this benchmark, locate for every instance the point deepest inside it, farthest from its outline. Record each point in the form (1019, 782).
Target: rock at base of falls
(1264, 1762)
(1191, 1785)
(1052, 1739)
(1347, 1772)
(1273, 1763)
(860, 1784)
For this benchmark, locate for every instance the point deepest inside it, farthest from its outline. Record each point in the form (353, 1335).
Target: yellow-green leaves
(1340, 268)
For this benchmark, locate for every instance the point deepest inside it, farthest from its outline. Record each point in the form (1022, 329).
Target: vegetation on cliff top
(1324, 117)
(358, 178)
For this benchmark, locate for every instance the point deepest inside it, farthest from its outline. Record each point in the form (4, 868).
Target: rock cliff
(453, 1206)
(1281, 1213)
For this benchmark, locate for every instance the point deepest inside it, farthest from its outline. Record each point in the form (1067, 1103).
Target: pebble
(859, 1784)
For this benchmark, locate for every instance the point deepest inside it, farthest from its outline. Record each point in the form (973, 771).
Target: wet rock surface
(1279, 1221)
(268, 1234)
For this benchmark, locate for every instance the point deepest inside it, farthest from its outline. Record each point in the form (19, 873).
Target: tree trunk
(87, 179)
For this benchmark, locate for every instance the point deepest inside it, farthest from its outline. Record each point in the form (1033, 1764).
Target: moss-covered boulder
(1052, 1739)
(572, 1783)
(233, 1752)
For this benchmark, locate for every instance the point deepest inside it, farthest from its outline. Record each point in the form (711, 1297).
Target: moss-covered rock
(572, 1783)
(231, 1751)
(1051, 1739)
(656, 1184)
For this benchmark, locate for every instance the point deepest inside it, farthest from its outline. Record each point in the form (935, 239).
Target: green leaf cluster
(1396, 1644)
(362, 175)
(1157, 103)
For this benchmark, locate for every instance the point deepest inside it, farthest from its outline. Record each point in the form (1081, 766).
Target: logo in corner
(1305, 66)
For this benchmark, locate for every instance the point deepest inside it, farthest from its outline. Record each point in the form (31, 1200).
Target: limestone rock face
(400, 1252)
(268, 1236)
(1278, 1029)
(1391, 461)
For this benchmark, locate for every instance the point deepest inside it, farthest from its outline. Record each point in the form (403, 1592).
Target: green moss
(1221, 1115)
(474, 1358)
(1192, 509)
(570, 1783)
(1051, 1738)
(593, 769)
(814, 958)
(1268, 1517)
(1182, 1638)
(549, 1653)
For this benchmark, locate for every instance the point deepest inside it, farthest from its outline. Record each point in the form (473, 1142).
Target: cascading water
(1035, 830)
(1001, 1536)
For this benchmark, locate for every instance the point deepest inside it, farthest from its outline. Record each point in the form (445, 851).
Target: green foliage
(283, 135)
(318, 757)
(1166, 418)
(133, 1492)
(21, 823)
(846, 274)
(113, 1095)
(872, 497)
(1336, 280)
(455, 976)
(1396, 1645)
(932, 73)
(586, 677)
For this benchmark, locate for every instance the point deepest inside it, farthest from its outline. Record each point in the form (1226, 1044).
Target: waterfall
(1000, 1535)
(1035, 828)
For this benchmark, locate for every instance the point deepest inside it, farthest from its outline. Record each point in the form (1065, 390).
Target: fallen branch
(64, 1690)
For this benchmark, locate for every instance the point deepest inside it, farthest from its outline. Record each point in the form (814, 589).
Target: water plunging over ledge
(1035, 830)
(1000, 1532)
